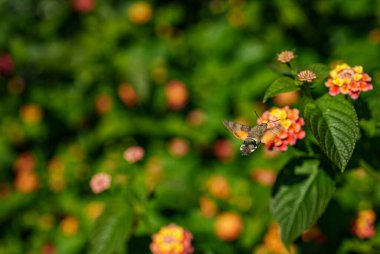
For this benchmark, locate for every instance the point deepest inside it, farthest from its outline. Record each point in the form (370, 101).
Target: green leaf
(320, 70)
(301, 195)
(334, 123)
(112, 229)
(281, 85)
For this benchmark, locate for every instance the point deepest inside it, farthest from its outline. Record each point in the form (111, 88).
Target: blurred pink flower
(100, 182)
(223, 150)
(178, 147)
(6, 64)
(83, 5)
(172, 239)
(134, 154)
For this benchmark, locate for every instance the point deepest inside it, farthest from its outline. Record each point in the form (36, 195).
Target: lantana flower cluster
(172, 239)
(291, 129)
(345, 79)
(364, 224)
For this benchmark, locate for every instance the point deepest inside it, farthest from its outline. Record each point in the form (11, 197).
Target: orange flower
(103, 103)
(265, 176)
(172, 239)
(228, 226)
(348, 80)
(208, 207)
(31, 114)
(69, 225)
(291, 129)
(127, 94)
(218, 186)
(140, 12)
(363, 225)
(273, 243)
(176, 94)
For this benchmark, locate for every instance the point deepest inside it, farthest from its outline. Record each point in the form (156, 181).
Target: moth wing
(271, 133)
(240, 131)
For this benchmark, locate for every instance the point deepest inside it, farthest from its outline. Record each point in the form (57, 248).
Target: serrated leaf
(281, 85)
(112, 229)
(301, 196)
(334, 123)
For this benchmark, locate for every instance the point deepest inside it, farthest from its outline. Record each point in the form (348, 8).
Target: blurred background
(138, 90)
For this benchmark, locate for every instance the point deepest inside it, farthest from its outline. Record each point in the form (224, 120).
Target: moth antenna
(257, 115)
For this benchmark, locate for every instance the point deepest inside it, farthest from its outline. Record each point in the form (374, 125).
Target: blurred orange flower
(69, 226)
(364, 224)
(94, 209)
(140, 12)
(172, 239)
(26, 181)
(127, 94)
(208, 207)
(218, 186)
(228, 226)
(176, 94)
(31, 114)
(103, 103)
(288, 98)
(265, 176)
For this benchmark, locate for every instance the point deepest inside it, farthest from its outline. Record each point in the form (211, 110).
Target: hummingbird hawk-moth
(251, 136)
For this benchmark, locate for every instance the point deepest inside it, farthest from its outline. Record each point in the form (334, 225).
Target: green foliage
(281, 85)
(112, 229)
(301, 196)
(334, 124)
(90, 79)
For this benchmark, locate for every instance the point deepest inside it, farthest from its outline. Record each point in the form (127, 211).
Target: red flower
(6, 64)
(83, 5)
(348, 80)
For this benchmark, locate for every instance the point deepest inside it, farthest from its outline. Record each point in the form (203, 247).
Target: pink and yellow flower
(291, 129)
(345, 79)
(172, 239)
(364, 224)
